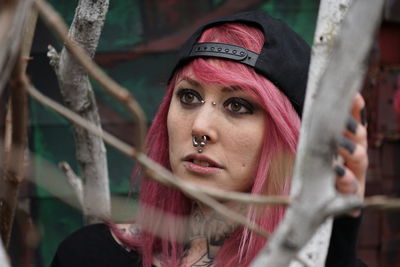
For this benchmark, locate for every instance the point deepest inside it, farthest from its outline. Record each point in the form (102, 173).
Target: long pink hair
(275, 162)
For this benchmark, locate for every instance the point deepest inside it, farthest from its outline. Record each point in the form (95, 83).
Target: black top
(94, 245)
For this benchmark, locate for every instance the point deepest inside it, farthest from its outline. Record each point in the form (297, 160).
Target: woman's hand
(351, 173)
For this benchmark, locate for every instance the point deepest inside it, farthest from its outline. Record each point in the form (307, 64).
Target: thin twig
(14, 159)
(132, 153)
(54, 21)
(29, 31)
(163, 176)
(16, 134)
(8, 130)
(381, 203)
(74, 181)
(156, 171)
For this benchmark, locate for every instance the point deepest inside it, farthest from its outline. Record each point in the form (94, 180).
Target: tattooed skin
(128, 230)
(207, 233)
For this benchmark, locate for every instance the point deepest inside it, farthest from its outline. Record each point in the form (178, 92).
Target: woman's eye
(189, 97)
(239, 106)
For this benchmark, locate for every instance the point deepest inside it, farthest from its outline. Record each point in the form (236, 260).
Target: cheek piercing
(200, 144)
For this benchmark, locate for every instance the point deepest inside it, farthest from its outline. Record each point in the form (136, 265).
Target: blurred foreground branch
(13, 156)
(13, 14)
(156, 171)
(163, 176)
(314, 165)
(330, 17)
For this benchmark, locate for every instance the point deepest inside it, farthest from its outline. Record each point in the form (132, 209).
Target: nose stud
(214, 103)
(199, 144)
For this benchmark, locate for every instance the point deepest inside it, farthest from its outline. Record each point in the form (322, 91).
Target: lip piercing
(199, 144)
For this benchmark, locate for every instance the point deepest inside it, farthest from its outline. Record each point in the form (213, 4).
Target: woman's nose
(205, 122)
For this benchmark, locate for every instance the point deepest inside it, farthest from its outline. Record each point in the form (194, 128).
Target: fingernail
(351, 124)
(339, 170)
(363, 116)
(347, 144)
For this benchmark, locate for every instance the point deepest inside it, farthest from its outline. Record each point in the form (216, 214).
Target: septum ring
(200, 144)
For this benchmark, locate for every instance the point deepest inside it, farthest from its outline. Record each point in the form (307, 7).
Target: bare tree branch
(12, 18)
(156, 171)
(142, 159)
(132, 153)
(14, 159)
(54, 57)
(171, 180)
(121, 94)
(330, 16)
(73, 180)
(313, 168)
(78, 95)
(16, 131)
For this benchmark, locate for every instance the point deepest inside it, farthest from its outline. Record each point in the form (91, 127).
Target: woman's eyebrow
(233, 88)
(190, 81)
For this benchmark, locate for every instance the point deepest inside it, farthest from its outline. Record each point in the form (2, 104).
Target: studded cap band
(222, 50)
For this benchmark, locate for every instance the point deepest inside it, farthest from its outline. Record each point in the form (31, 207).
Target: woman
(230, 119)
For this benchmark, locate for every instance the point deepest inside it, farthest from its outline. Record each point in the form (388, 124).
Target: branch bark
(73, 180)
(16, 131)
(330, 16)
(78, 94)
(313, 168)
(14, 162)
(55, 22)
(13, 14)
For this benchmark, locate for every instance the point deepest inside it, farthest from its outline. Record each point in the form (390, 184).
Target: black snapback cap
(284, 58)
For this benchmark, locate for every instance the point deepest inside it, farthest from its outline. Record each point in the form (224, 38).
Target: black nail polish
(363, 116)
(339, 170)
(347, 144)
(351, 124)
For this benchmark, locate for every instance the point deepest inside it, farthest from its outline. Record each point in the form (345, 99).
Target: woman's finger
(357, 106)
(346, 182)
(354, 155)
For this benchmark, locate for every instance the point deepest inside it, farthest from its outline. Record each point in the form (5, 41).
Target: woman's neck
(207, 233)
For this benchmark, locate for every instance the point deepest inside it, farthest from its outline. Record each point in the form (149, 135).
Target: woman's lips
(199, 169)
(201, 164)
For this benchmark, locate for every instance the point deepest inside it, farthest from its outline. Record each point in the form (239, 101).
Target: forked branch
(312, 168)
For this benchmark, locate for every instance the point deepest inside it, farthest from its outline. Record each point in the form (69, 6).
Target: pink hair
(275, 162)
